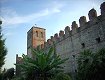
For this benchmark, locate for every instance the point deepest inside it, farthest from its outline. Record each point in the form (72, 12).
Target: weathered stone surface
(90, 35)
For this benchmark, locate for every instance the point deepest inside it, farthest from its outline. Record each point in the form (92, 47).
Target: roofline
(36, 27)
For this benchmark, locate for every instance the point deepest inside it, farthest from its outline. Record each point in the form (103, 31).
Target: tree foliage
(3, 50)
(43, 66)
(2, 74)
(62, 76)
(91, 66)
(10, 73)
(7, 74)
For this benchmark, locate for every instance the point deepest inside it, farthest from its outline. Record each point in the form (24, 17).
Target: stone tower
(35, 37)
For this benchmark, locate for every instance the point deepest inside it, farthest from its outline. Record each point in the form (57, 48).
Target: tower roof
(36, 28)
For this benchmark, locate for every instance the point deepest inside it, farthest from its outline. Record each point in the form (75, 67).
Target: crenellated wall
(90, 35)
(69, 43)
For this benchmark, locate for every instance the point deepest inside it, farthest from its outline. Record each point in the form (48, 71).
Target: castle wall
(69, 43)
(90, 35)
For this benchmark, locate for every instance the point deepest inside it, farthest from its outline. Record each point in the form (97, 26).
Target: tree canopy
(91, 66)
(3, 50)
(43, 66)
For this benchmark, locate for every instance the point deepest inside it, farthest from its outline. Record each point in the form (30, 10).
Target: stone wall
(90, 35)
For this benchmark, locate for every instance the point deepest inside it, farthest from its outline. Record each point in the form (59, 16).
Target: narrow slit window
(98, 40)
(37, 33)
(41, 35)
(75, 70)
(83, 45)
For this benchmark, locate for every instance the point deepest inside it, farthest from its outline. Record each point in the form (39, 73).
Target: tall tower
(35, 37)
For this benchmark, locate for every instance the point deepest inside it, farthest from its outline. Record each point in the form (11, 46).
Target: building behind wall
(18, 61)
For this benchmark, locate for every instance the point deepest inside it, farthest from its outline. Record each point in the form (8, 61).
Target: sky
(19, 16)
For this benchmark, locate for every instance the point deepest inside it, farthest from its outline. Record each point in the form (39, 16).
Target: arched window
(41, 35)
(36, 33)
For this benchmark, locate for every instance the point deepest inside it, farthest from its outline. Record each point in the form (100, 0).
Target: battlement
(75, 29)
(82, 21)
(102, 7)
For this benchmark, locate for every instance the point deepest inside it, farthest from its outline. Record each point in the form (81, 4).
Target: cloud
(3, 1)
(11, 17)
(9, 34)
(16, 19)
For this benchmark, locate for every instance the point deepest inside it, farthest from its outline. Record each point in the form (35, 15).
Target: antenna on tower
(35, 25)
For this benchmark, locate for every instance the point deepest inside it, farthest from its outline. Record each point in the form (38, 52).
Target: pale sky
(19, 16)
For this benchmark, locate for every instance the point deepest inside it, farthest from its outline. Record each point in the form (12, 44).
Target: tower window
(98, 40)
(41, 35)
(41, 46)
(83, 45)
(37, 33)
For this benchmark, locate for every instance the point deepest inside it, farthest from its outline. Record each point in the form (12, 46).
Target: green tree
(43, 66)
(3, 50)
(2, 75)
(9, 73)
(91, 66)
(62, 76)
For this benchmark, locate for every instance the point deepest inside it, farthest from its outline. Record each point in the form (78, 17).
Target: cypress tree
(3, 50)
